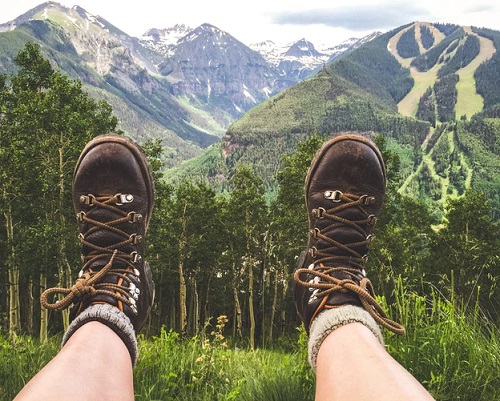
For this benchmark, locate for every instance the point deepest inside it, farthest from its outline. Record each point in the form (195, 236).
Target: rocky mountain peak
(42, 10)
(303, 48)
(165, 36)
(209, 34)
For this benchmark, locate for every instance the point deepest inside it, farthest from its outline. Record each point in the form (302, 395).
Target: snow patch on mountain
(163, 41)
(304, 53)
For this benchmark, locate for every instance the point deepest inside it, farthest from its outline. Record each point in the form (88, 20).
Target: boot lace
(320, 277)
(89, 282)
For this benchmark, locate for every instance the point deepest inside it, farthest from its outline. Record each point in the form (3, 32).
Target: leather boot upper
(113, 201)
(344, 190)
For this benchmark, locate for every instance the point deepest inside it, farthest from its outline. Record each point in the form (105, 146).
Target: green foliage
(289, 206)
(479, 139)
(20, 359)
(427, 60)
(464, 255)
(210, 165)
(440, 156)
(487, 75)
(427, 107)
(376, 71)
(463, 56)
(446, 97)
(447, 29)
(426, 37)
(451, 350)
(407, 44)
(221, 237)
(276, 126)
(46, 119)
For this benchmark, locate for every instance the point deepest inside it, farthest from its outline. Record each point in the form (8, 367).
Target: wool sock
(112, 317)
(331, 319)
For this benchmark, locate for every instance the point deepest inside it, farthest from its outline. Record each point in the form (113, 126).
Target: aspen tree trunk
(30, 321)
(237, 306)
(250, 305)
(63, 268)
(182, 295)
(13, 273)
(44, 313)
(206, 306)
(196, 307)
(273, 308)
(283, 311)
(182, 278)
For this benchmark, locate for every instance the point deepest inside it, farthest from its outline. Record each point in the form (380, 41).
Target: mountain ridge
(194, 94)
(195, 101)
(440, 151)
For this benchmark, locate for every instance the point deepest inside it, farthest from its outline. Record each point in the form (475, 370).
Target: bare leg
(93, 365)
(353, 365)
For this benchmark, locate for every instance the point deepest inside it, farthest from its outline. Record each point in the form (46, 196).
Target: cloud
(356, 18)
(480, 8)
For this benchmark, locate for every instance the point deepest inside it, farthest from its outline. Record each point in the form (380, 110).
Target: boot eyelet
(136, 258)
(313, 252)
(367, 200)
(80, 216)
(372, 220)
(121, 199)
(134, 217)
(133, 305)
(318, 213)
(135, 238)
(87, 199)
(335, 196)
(314, 233)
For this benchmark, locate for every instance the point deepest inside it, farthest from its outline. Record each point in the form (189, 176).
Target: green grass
(449, 347)
(469, 102)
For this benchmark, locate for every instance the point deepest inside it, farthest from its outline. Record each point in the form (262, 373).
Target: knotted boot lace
(120, 264)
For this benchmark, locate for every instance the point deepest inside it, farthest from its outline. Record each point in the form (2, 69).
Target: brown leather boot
(113, 200)
(344, 190)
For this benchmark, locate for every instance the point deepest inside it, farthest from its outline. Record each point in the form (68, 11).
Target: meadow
(449, 346)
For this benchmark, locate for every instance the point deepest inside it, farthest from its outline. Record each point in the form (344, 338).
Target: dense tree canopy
(212, 252)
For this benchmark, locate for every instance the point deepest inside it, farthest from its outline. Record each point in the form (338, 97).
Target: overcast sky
(283, 21)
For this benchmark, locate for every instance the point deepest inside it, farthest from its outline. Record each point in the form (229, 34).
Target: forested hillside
(419, 86)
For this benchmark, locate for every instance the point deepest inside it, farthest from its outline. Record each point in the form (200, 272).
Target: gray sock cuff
(112, 317)
(331, 319)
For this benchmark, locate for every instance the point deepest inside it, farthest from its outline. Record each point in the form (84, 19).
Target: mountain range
(180, 84)
(432, 90)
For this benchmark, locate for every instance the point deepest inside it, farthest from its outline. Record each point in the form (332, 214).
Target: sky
(282, 21)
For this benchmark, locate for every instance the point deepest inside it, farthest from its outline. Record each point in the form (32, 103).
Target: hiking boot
(344, 191)
(113, 200)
